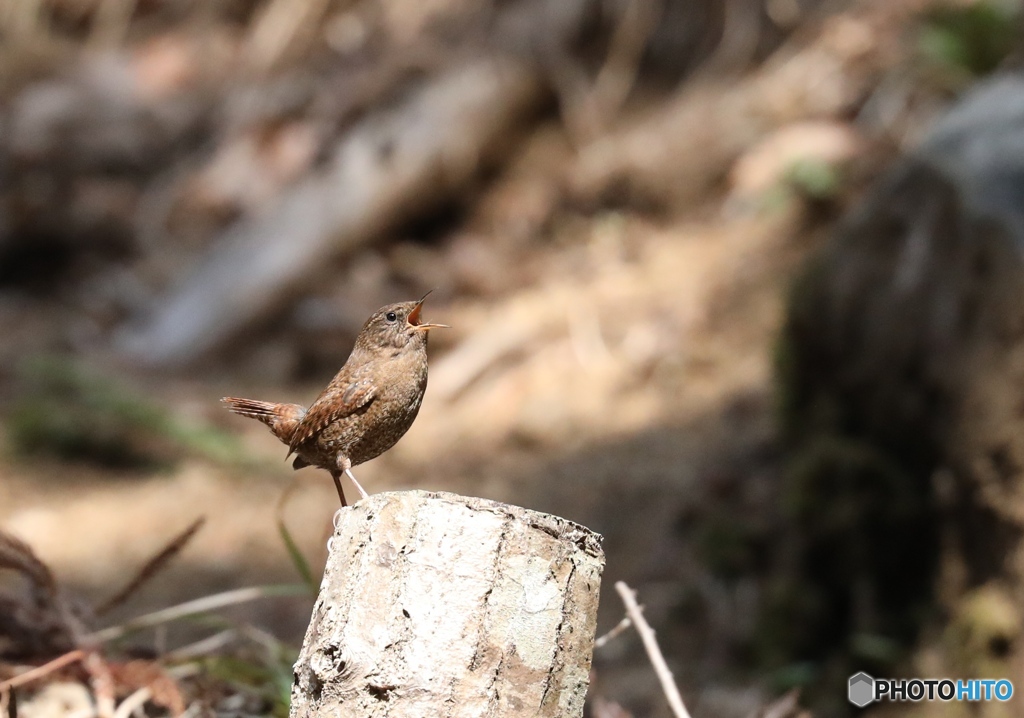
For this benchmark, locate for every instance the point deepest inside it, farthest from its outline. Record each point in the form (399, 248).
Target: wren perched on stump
(368, 406)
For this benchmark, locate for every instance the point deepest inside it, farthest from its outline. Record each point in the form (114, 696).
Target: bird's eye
(391, 316)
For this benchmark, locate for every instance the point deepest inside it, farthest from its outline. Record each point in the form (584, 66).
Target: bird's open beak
(414, 318)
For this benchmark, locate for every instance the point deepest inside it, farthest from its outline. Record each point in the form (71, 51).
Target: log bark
(434, 604)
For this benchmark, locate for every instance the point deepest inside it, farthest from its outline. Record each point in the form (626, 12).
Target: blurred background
(735, 283)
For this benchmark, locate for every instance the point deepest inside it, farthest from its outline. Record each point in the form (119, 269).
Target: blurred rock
(903, 355)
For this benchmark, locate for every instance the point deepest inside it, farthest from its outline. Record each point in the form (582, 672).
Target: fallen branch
(386, 166)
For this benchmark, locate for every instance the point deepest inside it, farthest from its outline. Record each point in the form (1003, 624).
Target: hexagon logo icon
(861, 690)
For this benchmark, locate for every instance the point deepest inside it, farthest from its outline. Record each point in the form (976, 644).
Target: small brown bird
(368, 406)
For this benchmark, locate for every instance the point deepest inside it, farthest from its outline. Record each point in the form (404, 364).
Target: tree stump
(434, 604)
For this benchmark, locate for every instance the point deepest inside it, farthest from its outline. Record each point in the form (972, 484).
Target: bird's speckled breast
(367, 435)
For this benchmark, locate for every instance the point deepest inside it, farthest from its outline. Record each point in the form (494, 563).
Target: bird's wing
(343, 396)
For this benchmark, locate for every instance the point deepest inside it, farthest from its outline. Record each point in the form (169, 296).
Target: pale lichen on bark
(434, 604)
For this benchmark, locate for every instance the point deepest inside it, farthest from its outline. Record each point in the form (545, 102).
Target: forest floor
(640, 380)
(610, 362)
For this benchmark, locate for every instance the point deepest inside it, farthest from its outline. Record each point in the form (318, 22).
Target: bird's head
(396, 326)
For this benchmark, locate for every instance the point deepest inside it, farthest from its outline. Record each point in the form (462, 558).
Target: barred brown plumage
(368, 406)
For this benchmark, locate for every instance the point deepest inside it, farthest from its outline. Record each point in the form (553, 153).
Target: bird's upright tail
(281, 418)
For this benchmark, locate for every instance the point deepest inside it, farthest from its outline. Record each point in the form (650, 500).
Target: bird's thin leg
(337, 484)
(362, 492)
(345, 465)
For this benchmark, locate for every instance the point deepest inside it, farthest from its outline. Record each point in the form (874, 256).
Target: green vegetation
(65, 411)
(266, 679)
(965, 41)
(816, 179)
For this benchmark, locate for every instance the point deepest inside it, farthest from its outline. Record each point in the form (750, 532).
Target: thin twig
(152, 567)
(199, 605)
(135, 700)
(102, 683)
(619, 627)
(202, 647)
(18, 556)
(668, 683)
(43, 670)
(266, 641)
